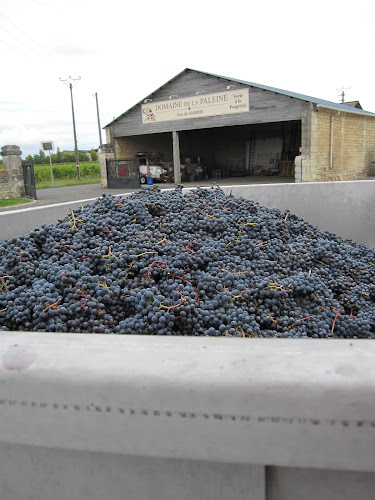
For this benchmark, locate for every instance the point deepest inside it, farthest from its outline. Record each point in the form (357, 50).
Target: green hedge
(66, 171)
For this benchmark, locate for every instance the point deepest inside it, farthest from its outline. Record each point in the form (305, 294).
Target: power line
(22, 31)
(13, 48)
(19, 40)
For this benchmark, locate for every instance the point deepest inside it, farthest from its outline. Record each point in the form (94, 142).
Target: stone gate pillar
(13, 164)
(105, 152)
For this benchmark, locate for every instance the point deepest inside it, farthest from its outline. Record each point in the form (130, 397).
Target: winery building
(204, 126)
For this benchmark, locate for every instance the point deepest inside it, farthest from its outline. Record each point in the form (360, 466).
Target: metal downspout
(331, 143)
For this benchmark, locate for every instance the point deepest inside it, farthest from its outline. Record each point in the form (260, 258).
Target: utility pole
(342, 95)
(70, 82)
(97, 113)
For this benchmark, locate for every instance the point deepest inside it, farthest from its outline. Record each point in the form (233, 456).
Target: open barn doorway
(240, 151)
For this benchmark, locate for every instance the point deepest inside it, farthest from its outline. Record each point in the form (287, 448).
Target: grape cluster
(201, 263)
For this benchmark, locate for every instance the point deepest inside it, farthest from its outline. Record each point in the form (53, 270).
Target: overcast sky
(124, 50)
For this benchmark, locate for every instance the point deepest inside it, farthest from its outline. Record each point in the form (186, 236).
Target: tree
(69, 158)
(42, 156)
(59, 156)
(83, 157)
(29, 158)
(36, 159)
(94, 155)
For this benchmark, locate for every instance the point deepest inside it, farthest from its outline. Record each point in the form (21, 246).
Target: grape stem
(188, 246)
(3, 284)
(334, 321)
(168, 308)
(156, 263)
(320, 262)
(110, 254)
(162, 241)
(54, 305)
(74, 221)
(104, 282)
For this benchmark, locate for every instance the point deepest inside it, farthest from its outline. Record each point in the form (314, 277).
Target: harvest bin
(139, 417)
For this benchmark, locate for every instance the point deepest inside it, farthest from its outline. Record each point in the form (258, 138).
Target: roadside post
(48, 146)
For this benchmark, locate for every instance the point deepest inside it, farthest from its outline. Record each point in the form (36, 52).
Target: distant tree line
(61, 157)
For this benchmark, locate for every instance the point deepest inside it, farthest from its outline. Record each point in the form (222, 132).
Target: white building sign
(198, 106)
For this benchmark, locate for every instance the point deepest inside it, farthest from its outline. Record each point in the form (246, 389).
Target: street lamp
(70, 82)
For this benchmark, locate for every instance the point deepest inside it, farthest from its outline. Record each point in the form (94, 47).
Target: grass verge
(9, 202)
(67, 182)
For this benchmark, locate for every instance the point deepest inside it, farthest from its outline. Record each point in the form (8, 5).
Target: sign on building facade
(197, 106)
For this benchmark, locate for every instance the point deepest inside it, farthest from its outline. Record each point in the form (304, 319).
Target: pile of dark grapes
(200, 263)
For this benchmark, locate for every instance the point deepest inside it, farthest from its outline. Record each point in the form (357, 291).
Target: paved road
(69, 193)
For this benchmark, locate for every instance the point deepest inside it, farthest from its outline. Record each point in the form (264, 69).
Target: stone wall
(13, 167)
(354, 146)
(105, 153)
(353, 151)
(4, 184)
